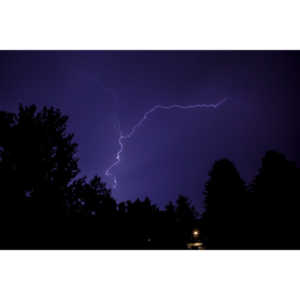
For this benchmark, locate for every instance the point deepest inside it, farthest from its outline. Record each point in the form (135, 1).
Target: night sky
(173, 151)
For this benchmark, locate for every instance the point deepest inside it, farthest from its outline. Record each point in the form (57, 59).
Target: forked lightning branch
(123, 137)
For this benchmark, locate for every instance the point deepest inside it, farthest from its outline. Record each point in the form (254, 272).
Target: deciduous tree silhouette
(37, 163)
(92, 214)
(140, 224)
(91, 199)
(42, 205)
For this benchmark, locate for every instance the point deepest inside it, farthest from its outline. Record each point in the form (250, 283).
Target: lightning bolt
(123, 137)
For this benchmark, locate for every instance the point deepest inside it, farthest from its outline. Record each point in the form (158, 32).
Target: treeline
(262, 215)
(44, 203)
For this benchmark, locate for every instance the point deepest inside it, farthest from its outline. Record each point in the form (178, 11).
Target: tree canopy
(46, 203)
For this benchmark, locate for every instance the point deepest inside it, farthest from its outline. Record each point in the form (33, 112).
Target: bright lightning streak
(138, 124)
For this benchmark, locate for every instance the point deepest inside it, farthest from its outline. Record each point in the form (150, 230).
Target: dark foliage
(45, 205)
(225, 200)
(37, 163)
(264, 215)
(275, 198)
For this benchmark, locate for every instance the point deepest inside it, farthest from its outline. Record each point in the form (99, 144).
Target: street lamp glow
(195, 233)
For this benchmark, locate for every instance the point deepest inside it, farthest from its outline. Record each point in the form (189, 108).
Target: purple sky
(173, 151)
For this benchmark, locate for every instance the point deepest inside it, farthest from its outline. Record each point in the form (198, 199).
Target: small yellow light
(198, 244)
(195, 232)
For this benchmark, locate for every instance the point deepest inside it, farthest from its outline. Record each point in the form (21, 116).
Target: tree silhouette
(184, 209)
(93, 214)
(7, 165)
(140, 224)
(43, 204)
(37, 162)
(170, 226)
(185, 218)
(225, 196)
(275, 199)
(91, 199)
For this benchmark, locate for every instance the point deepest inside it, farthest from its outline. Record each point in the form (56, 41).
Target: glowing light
(197, 245)
(195, 233)
(123, 137)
